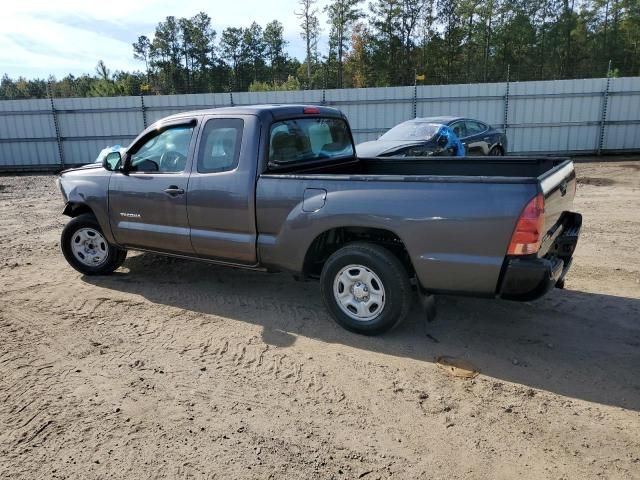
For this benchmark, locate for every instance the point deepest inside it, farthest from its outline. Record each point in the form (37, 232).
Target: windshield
(411, 130)
(308, 139)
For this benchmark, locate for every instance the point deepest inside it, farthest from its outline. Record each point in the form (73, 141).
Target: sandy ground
(176, 369)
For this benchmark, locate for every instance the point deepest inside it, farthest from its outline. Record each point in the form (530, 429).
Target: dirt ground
(177, 369)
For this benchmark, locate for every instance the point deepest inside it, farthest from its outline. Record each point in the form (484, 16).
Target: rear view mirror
(442, 141)
(112, 161)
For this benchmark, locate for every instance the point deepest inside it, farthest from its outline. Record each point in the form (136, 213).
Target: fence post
(505, 123)
(603, 112)
(231, 98)
(54, 113)
(143, 109)
(415, 96)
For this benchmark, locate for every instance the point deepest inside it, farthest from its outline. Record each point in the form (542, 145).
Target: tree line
(380, 43)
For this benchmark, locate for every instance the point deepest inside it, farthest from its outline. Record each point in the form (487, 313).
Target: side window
(165, 152)
(459, 130)
(474, 128)
(220, 145)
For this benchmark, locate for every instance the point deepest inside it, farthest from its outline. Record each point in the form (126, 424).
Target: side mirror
(442, 141)
(112, 162)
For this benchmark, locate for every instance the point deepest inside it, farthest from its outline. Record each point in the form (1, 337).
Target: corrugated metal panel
(559, 116)
(86, 151)
(622, 137)
(161, 106)
(258, 98)
(553, 139)
(31, 121)
(623, 107)
(623, 111)
(100, 124)
(546, 116)
(482, 101)
(29, 154)
(24, 105)
(81, 120)
(27, 126)
(372, 111)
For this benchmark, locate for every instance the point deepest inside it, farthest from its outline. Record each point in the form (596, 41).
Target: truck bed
(522, 168)
(454, 215)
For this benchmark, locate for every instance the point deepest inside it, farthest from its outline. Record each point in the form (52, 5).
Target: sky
(40, 38)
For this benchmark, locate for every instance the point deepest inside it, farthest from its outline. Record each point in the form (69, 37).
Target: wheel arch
(331, 240)
(74, 209)
(497, 145)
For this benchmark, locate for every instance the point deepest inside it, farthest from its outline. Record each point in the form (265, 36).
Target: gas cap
(314, 199)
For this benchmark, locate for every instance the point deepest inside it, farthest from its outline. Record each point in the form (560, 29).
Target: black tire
(496, 152)
(115, 255)
(395, 281)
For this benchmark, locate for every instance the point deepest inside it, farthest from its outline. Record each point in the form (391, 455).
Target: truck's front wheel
(366, 288)
(87, 250)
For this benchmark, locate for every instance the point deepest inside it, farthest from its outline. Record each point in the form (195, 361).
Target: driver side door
(147, 200)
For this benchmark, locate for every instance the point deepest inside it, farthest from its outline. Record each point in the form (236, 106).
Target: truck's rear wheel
(87, 250)
(366, 288)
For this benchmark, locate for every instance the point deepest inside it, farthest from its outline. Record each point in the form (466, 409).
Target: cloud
(31, 44)
(39, 37)
(124, 31)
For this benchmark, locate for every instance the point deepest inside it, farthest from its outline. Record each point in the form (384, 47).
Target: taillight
(527, 236)
(311, 110)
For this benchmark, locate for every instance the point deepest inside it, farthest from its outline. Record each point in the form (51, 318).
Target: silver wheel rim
(89, 247)
(359, 293)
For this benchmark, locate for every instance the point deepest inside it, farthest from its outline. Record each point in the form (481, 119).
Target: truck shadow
(581, 345)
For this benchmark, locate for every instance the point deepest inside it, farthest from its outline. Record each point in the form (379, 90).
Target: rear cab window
(308, 140)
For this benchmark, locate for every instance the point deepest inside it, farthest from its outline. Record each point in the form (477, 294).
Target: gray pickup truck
(279, 188)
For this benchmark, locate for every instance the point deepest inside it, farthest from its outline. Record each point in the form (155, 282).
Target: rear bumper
(528, 278)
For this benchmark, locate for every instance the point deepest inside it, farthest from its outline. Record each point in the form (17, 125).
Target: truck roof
(265, 112)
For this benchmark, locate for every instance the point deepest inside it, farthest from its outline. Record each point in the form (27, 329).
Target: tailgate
(528, 277)
(558, 187)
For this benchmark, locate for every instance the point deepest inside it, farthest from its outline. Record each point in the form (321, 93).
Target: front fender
(87, 191)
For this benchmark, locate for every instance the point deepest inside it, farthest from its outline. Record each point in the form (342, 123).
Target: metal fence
(562, 117)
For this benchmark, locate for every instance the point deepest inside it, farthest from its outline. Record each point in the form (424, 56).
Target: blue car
(437, 136)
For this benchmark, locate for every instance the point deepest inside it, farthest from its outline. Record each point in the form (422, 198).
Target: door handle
(173, 190)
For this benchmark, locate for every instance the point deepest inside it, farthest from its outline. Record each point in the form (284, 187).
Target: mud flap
(427, 304)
